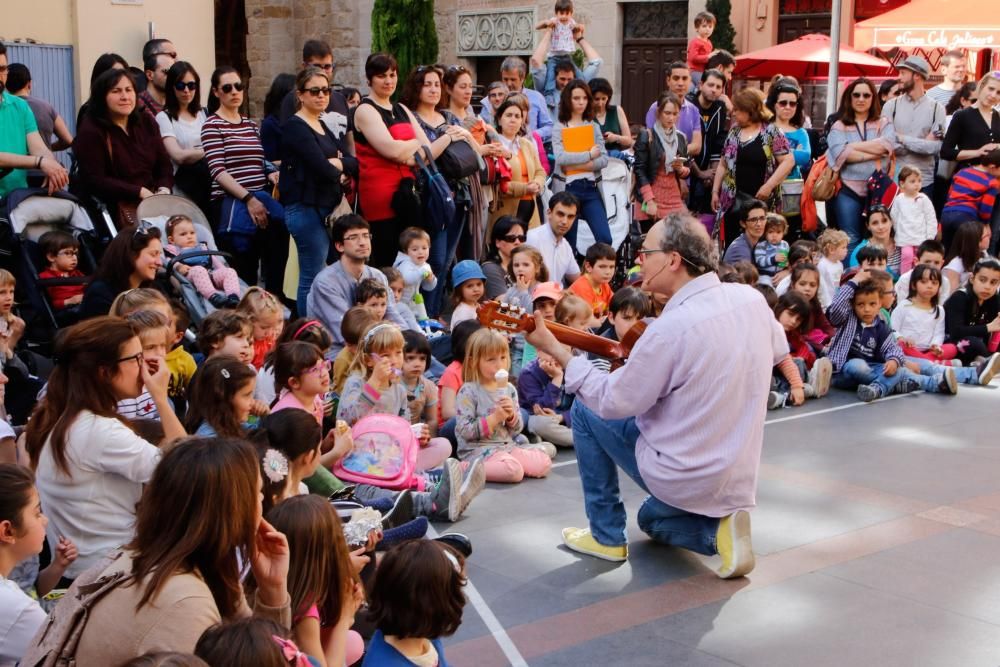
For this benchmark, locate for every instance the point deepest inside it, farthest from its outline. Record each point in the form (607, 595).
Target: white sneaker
(820, 376)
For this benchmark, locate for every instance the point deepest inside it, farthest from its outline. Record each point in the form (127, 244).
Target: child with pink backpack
(388, 450)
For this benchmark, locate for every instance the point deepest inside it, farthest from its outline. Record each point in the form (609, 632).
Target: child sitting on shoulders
(489, 422)
(770, 255)
(833, 244)
(864, 352)
(415, 246)
(208, 273)
(699, 47)
(931, 253)
(226, 332)
(62, 252)
(594, 286)
(267, 314)
(469, 283)
(919, 324)
(562, 41)
(913, 217)
(356, 321)
(419, 575)
(372, 295)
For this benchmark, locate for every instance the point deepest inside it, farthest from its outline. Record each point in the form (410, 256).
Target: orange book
(578, 139)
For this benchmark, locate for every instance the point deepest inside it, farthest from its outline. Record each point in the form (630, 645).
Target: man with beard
(714, 126)
(154, 97)
(332, 292)
(21, 146)
(918, 121)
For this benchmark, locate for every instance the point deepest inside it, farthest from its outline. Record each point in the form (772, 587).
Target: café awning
(933, 24)
(807, 57)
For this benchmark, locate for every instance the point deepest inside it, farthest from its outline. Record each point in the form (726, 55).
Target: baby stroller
(616, 186)
(156, 210)
(27, 214)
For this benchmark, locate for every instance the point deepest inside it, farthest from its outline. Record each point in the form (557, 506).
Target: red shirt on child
(698, 52)
(59, 293)
(598, 299)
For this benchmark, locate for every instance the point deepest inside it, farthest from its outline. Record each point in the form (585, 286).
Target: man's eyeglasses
(190, 85)
(138, 358)
(316, 91)
(514, 238)
(230, 87)
(644, 252)
(354, 238)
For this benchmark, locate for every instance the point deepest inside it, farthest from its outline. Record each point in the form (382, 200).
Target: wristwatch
(247, 197)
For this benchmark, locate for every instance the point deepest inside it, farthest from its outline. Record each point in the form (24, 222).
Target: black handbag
(439, 203)
(458, 160)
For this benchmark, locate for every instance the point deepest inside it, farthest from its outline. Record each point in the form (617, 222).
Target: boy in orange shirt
(594, 285)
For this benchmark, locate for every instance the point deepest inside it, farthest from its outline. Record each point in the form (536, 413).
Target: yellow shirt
(182, 368)
(340, 365)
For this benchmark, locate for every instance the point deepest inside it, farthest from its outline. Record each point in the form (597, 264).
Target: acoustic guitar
(514, 319)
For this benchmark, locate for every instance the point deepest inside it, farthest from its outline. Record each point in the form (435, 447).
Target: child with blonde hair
(266, 313)
(415, 248)
(833, 245)
(11, 326)
(913, 217)
(156, 335)
(489, 422)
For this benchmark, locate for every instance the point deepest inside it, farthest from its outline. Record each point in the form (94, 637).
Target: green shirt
(16, 123)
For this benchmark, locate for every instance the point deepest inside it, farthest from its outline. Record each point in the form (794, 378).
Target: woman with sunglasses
(180, 126)
(784, 100)
(131, 260)
(120, 154)
(422, 94)
(90, 466)
(508, 232)
(315, 168)
(859, 141)
(241, 179)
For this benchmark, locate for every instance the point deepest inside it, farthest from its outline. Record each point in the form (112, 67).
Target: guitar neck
(581, 340)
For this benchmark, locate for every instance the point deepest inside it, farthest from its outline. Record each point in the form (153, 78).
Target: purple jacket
(534, 386)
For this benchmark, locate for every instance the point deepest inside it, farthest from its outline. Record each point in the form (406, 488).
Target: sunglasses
(229, 87)
(190, 85)
(514, 238)
(861, 96)
(316, 91)
(787, 103)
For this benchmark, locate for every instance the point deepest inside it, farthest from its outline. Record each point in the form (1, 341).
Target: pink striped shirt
(235, 149)
(697, 383)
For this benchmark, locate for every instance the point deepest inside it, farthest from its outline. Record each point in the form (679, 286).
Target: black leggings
(976, 347)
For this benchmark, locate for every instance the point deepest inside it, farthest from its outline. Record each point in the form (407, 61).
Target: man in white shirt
(550, 239)
(954, 70)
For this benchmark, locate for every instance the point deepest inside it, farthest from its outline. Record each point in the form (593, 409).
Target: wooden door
(654, 37)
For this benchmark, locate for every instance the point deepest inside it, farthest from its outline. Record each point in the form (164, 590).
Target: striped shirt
(234, 149)
(697, 383)
(973, 192)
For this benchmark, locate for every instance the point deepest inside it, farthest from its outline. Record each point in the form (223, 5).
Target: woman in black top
(131, 260)
(975, 131)
(314, 164)
(507, 233)
(972, 313)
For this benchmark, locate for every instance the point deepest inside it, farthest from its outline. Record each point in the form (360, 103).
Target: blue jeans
(444, 243)
(603, 446)
(930, 370)
(305, 224)
(778, 381)
(848, 209)
(591, 209)
(856, 372)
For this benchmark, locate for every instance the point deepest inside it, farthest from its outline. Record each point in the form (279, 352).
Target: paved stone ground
(876, 532)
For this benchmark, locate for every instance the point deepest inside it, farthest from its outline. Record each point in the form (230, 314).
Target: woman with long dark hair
(122, 158)
(859, 141)
(131, 260)
(199, 522)
(580, 170)
(270, 126)
(180, 125)
(90, 465)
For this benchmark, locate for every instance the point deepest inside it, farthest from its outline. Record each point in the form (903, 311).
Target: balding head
(685, 235)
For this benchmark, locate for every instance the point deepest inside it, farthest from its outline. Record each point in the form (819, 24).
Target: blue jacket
(381, 654)
(235, 218)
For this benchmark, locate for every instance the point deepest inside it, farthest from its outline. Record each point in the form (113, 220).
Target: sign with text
(932, 38)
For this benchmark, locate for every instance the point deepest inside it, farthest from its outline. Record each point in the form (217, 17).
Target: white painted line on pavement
(500, 635)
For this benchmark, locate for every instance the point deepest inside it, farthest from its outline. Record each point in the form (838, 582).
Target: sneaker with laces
(776, 399)
(870, 392)
(732, 541)
(446, 497)
(581, 541)
(820, 376)
(988, 369)
(472, 483)
(905, 386)
(400, 512)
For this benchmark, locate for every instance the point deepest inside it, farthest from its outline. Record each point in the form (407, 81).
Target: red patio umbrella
(807, 57)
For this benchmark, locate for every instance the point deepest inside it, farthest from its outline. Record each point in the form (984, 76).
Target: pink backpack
(384, 454)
